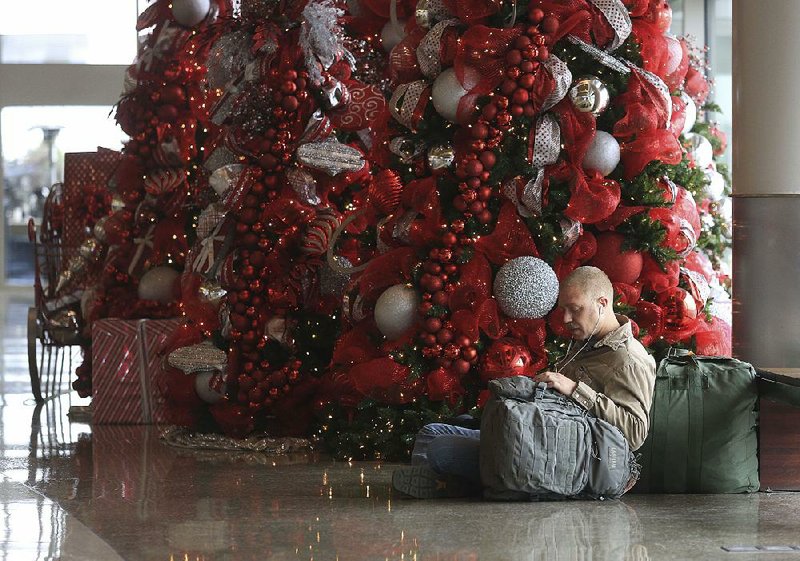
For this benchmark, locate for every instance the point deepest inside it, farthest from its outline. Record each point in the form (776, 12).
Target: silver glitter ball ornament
(526, 287)
(589, 95)
(441, 156)
(396, 310)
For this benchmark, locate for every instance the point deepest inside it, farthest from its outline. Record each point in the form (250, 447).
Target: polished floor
(70, 491)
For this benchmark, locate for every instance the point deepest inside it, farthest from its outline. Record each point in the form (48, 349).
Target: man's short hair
(592, 281)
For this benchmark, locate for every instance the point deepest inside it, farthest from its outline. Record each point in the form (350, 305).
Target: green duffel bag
(703, 423)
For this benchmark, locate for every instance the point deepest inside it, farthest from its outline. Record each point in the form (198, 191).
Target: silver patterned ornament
(198, 358)
(333, 282)
(526, 287)
(441, 156)
(589, 95)
(228, 58)
(330, 156)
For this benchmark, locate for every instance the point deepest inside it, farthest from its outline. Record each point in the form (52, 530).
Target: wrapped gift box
(127, 378)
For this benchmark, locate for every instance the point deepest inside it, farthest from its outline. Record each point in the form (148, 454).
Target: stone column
(766, 183)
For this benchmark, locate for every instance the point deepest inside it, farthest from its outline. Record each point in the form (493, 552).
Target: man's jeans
(449, 449)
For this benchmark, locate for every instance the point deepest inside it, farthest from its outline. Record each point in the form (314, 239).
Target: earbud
(599, 311)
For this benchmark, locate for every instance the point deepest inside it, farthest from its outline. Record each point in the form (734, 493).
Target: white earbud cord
(558, 366)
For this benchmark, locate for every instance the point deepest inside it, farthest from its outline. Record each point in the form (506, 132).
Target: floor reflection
(70, 491)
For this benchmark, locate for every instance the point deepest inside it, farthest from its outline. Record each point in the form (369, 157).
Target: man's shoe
(421, 482)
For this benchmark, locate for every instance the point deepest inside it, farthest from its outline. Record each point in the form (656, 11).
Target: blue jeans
(449, 449)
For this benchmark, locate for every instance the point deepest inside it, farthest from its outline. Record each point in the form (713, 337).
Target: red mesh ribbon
(645, 107)
(636, 8)
(383, 379)
(577, 130)
(510, 238)
(674, 239)
(485, 317)
(620, 215)
(628, 294)
(713, 339)
(355, 346)
(652, 46)
(533, 332)
(649, 317)
(659, 144)
(642, 130)
(474, 283)
(444, 384)
(386, 270)
(593, 199)
(656, 278)
(579, 18)
(482, 50)
(583, 250)
(421, 195)
(470, 11)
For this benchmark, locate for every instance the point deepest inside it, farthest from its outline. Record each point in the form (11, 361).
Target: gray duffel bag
(536, 443)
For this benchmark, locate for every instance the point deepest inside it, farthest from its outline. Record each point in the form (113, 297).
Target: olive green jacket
(616, 377)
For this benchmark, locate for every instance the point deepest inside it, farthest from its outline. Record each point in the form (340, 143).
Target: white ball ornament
(526, 287)
(691, 113)
(392, 33)
(446, 93)
(203, 387)
(716, 184)
(701, 149)
(602, 154)
(157, 284)
(396, 310)
(190, 12)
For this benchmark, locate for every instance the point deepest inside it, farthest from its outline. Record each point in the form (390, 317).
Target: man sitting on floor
(611, 375)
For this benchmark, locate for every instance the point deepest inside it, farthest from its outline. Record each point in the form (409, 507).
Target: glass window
(720, 52)
(34, 141)
(55, 31)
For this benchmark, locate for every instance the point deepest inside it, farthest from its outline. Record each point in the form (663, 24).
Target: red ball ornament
(432, 325)
(506, 357)
(620, 265)
(550, 24)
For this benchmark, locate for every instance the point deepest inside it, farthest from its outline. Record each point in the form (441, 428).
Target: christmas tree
(138, 250)
(388, 195)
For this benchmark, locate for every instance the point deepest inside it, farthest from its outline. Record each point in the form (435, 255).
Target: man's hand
(558, 382)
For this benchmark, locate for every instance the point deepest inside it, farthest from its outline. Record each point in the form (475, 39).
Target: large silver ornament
(396, 310)
(526, 287)
(589, 95)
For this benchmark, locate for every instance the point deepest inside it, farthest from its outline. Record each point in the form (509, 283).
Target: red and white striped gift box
(127, 385)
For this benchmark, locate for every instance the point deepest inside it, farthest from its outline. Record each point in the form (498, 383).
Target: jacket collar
(617, 338)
